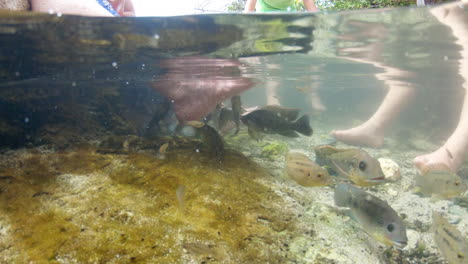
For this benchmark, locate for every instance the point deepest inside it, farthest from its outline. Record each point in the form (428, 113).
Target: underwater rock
(390, 169)
(84, 206)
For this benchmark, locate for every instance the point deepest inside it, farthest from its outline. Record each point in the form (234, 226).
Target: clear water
(66, 81)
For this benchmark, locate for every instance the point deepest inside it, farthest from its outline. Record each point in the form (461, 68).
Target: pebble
(390, 169)
(413, 239)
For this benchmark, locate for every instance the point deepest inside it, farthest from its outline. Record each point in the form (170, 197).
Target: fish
(210, 137)
(374, 215)
(449, 240)
(236, 106)
(163, 148)
(271, 122)
(440, 183)
(306, 172)
(354, 164)
(290, 114)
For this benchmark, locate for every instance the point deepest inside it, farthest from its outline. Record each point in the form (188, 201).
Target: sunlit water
(128, 76)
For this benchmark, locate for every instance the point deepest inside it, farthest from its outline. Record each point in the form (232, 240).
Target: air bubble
(73, 84)
(156, 36)
(115, 65)
(26, 119)
(197, 150)
(445, 58)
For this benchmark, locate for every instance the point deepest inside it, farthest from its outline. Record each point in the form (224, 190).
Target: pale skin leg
(451, 155)
(371, 133)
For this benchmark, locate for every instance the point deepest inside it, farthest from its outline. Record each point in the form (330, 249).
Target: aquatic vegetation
(272, 150)
(111, 208)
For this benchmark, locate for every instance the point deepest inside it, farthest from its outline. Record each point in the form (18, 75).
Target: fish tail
(302, 126)
(342, 194)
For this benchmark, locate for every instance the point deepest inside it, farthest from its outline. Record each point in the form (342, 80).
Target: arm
(250, 5)
(72, 7)
(310, 5)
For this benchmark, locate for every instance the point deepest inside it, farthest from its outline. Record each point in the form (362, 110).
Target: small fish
(180, 194)
(270, 122)
(374, 215)
(210, 136)
(163, 148)
(440, 183)
(290, 114)
(449, 240)
(355, 164)
(306, 172)
(236, 106)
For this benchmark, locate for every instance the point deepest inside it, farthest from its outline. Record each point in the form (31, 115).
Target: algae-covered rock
(84, 206)
(273, 150)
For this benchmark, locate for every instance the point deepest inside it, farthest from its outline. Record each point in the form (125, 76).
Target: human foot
(441, 159)
(360, 136)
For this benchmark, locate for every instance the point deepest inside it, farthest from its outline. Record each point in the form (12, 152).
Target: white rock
(390, 169)
(413, 239)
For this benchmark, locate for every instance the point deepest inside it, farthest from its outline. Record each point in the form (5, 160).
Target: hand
(195, 85)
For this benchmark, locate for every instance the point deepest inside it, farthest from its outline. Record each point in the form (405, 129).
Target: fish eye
(362, 165)
(319, 175)
(390, 228)
(457, 183)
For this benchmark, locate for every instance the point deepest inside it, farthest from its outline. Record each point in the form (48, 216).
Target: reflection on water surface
(95, 147)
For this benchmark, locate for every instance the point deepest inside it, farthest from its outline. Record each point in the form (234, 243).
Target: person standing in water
(85, 7)
(453, 152)
(273, 85)
(277, 5)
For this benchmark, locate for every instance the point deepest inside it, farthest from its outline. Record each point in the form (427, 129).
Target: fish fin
(340, 169)
(302, 126)
(342, 194)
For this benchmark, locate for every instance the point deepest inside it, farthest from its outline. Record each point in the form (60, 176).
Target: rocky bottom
(180, 204)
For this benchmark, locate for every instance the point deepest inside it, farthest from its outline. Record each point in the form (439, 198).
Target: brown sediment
(85, 206)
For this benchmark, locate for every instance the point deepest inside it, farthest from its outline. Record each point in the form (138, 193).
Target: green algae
(84, 206)
(272, 150)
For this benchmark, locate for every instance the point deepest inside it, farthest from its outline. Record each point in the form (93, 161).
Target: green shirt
(275, 5)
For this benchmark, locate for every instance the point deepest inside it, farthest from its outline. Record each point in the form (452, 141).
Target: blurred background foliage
(238, 5)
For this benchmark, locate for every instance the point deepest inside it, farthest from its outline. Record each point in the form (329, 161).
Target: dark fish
(355, 164)
(290, 114)
(270, 122)
(236, 106)
(210, 136)
(374, 215)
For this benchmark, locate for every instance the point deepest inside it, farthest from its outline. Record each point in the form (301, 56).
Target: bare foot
(317, 104)
(440, 159)
(360, 136)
